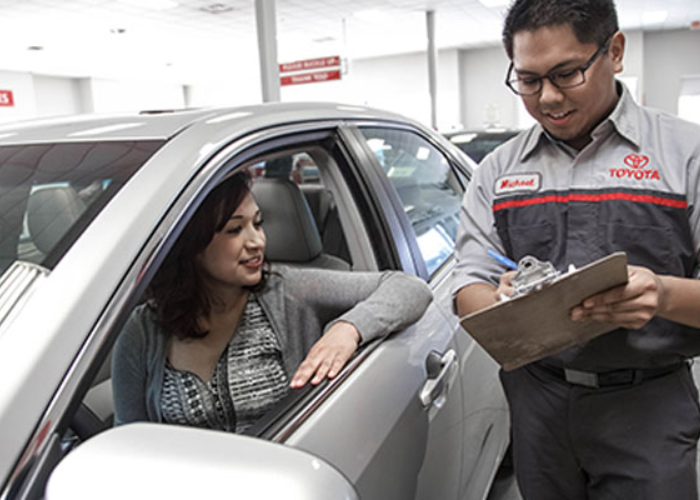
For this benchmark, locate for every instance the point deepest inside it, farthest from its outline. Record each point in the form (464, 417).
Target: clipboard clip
(533, 274)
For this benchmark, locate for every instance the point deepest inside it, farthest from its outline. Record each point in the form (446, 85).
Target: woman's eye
(235, 230)
(259, 223)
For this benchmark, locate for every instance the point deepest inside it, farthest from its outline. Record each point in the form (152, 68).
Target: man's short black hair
(593, 21)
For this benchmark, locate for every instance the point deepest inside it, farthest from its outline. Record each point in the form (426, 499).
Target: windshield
(49, 193)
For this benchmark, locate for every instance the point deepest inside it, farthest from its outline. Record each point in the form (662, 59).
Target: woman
(223, 337)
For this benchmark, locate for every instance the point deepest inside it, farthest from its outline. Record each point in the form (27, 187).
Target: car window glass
(50, 192)
(427, 186)
(478, 144)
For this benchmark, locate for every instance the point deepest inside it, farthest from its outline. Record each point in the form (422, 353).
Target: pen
(503, 260)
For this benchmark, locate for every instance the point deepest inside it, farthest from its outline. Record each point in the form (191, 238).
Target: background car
(478, 143)
(91, 206)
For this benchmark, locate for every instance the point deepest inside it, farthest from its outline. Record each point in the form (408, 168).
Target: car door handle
(441, 371)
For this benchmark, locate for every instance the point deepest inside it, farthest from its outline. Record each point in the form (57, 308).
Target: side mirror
(146, 460)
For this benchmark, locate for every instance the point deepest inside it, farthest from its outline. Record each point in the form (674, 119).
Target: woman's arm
(129, 372)
(357, 307)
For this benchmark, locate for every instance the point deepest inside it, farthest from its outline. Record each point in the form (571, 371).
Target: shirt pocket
(537, 240)
(647, 246)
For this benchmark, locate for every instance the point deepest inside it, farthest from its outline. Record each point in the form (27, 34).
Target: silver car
(90, 206)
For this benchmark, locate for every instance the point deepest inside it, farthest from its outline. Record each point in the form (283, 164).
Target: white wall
(22, 87)
(110, 96)
(43, 96)
(239, 92)
(57, 96)
(633, 63)
(395, 83)
(485, 100)
(668, 57)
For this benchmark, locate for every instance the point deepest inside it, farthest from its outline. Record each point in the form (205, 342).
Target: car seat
(51, 212)
(292, 234)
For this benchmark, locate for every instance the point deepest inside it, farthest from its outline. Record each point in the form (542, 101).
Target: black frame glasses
(566, 79)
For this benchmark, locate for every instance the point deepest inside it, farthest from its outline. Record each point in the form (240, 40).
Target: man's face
(568, 114)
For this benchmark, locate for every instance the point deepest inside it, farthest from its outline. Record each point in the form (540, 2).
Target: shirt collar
(624, 118)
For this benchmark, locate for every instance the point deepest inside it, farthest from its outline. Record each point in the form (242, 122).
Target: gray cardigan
(301, 304)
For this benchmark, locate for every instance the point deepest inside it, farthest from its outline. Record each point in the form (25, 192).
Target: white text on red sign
(305, 65)
(319, 76)
(6, 98)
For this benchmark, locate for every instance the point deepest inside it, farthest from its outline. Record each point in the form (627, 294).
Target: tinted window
(427, 186)
(478, 145)
(49, 193)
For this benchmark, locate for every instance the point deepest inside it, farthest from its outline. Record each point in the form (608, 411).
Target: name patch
(518, 183)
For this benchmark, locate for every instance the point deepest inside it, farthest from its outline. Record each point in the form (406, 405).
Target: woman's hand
(328, 356)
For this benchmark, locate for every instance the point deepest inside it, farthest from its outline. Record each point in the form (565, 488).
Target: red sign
(319, 76)
(6, 98)
(309, 64)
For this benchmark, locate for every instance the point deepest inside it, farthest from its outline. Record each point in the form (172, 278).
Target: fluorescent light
(654, 16)
(152, 4)
(494, 3)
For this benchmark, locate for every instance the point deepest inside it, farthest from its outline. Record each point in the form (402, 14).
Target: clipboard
(530, 327)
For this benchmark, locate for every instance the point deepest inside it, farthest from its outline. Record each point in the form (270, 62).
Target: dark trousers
(633, 442)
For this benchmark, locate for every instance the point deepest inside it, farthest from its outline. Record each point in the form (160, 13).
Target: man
(617, 417)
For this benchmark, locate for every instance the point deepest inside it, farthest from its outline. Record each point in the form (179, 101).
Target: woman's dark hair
(177, 292)
(593, 21)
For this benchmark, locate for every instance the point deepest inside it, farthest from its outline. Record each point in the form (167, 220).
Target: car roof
(163, 125)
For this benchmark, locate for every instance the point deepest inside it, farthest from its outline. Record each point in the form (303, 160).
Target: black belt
(611, 378)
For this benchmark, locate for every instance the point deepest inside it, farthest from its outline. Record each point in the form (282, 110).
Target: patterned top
(248, 380)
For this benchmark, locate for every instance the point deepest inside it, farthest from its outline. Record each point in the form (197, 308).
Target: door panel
(484, 413)
(373, 428)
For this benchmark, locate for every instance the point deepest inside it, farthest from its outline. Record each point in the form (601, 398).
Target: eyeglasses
(566, 79)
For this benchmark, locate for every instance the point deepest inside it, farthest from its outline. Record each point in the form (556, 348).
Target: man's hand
(505, 285)
(328, 355)
(630, 306)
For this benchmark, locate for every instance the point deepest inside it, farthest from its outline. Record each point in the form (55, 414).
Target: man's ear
(617, 50)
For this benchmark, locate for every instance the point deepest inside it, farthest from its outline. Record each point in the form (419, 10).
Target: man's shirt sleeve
(477, 232)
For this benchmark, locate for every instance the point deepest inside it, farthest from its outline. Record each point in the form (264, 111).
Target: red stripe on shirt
(592, 198)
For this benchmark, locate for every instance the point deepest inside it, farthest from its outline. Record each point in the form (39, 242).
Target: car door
(373, 422)
(426, 189)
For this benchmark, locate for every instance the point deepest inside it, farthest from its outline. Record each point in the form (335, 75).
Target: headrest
(51, 211)
(291, 232)
(279, 168)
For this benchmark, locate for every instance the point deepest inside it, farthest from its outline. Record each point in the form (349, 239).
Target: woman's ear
(617, 50)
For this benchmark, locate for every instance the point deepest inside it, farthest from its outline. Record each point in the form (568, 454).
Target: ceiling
(206, 40)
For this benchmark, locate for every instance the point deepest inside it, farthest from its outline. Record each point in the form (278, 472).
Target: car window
(478, 144)
(50, 193)
(281, 191)
(427, 186)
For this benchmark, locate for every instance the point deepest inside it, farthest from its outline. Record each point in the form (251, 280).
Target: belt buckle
(585, 379)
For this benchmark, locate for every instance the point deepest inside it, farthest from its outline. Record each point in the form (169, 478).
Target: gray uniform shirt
(301, 304)
(634, 188)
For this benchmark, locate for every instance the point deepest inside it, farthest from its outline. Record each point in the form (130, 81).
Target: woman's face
(234, 257)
